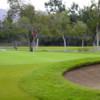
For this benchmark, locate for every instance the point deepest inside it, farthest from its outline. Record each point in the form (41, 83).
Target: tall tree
(60, 21)
(74, 12)
(54, 6)
(90, 16)
(80, 31)
(8, 32)
(94, 22)
(98, 24)
(40, 25)
(27, 16)
(60, 26)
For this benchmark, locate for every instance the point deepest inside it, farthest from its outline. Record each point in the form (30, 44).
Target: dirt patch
(86, 76)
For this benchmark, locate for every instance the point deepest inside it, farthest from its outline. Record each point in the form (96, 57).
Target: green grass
(38, 76)
(48, 84)
(52, 48)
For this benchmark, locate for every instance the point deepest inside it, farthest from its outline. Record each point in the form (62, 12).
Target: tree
(40, 25)
(29, 20)
(24, 27)
(94, 22)
(60, 26)
(8, 32)
(98, 24)
(54, 6)
(89, 15)
(80, 31)
(59, 22)
(18, 7)
(74, 12)
(27, 15)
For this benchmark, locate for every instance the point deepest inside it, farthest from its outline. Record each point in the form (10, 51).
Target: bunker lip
(88, 76)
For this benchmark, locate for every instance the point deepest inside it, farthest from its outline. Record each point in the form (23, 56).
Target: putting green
(14, 65)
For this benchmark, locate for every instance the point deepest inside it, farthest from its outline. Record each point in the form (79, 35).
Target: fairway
(15, 66)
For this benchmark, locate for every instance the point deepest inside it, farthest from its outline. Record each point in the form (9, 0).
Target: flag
(33, 33)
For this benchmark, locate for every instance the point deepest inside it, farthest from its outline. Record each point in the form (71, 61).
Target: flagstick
(33, 41)
(33, 50)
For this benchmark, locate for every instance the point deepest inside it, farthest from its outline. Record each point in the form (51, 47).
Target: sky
(39, 4)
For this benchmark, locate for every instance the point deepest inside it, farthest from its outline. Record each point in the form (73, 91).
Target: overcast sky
(39, 4)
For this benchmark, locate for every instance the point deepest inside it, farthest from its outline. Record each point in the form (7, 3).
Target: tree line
(58, 22)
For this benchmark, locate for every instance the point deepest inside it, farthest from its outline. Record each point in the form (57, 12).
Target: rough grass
(17, 68)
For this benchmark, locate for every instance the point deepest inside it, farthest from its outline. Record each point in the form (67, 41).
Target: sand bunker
(85, 76)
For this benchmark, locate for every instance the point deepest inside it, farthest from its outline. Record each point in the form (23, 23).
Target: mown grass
(45, 69)
(52, 48)
(48, 84)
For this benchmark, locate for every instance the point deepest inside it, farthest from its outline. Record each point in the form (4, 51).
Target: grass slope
(14, 65)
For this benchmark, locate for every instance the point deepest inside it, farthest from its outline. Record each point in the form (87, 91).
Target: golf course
(49, 49)
(39, 75)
